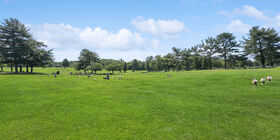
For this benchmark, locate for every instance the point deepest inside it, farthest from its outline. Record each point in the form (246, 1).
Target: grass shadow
(21, 73)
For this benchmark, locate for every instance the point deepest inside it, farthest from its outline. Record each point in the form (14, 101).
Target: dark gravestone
(108, 76)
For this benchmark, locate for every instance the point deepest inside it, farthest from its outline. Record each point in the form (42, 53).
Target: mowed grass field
(216, 104)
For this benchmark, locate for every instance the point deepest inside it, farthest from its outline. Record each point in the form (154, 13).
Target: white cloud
(129, 55)
(202, 2)
(278, 20)
(252, 12)
(226, 13)
(68, 41)
(215, 1)
(163, 28)
(237, 26)
(123, 39)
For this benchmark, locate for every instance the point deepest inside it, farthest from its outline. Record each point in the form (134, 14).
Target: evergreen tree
(227, 46)
(65, 63)
(125, 67)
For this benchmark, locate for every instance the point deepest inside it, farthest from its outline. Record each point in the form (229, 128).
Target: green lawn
(216, 104)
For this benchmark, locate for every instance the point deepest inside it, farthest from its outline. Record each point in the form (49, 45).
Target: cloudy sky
(131, 29)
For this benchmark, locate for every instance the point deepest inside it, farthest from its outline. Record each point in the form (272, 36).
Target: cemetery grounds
(207, 104)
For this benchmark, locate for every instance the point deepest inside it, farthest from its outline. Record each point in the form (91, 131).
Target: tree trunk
(27, 68)
(225, 62)
(31, 69)
(225, 57)
(16, 68)
(20, 68)
(262, 55)
(210, 63)
(12, 69)
(2, 69)
(262, 59)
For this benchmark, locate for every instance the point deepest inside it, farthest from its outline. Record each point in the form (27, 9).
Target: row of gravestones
(80, 73)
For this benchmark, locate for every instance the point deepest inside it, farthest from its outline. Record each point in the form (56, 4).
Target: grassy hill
(216, 104)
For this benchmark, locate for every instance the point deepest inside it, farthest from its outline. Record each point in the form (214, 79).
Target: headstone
(169, 76)
(108, 76)
(120, 77)
(269, 78)
(262, 80)
(255, 82)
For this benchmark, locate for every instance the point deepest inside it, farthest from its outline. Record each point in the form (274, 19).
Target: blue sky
(135, 29)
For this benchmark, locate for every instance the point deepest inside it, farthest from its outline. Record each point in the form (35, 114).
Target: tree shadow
(22, 73)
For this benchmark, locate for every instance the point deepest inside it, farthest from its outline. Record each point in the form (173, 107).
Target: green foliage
(263, 43)
(94, 67)
(18, 47)
(125, 67)
(86, 58)
(65, 63)
(227, 46)
(113, 66)
(208, 49)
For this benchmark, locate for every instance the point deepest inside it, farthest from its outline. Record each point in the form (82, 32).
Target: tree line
(260, 47)
(18, 47)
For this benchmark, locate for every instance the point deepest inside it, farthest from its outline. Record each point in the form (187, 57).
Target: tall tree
(147, 63)
(169, 62)
(186, 59)
(197, 59)
(227, 45)
(177, 58)
(124, 67)
(85, 58)
(263, 43)
(13, 37)
(135, 65)
(65, 63)
(209, 48)
(272, 39)
(159, 63)
(37, 55)
(255, 43)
